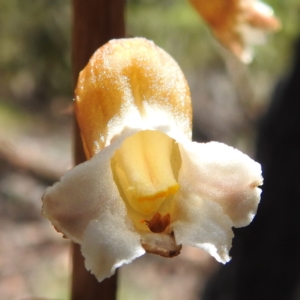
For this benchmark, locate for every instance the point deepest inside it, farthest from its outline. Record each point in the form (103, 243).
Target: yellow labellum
(144, 170)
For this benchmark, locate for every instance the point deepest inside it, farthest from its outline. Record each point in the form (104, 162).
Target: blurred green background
(36, 119)
(35, 44)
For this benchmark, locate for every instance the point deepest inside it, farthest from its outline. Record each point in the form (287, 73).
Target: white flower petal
(223, 174)
(84, 193)
(108, 243)
(202, 223)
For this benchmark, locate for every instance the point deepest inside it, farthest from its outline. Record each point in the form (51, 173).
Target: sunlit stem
(144, 170)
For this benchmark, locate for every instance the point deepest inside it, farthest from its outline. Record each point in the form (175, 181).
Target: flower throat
(146, 170)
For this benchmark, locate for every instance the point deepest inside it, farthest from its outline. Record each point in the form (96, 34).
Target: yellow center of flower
(145, 168)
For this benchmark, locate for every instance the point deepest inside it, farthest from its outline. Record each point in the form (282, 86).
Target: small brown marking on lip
(158, 223)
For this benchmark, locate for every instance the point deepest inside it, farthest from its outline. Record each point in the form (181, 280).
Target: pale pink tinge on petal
(82, 194)
(225, 175)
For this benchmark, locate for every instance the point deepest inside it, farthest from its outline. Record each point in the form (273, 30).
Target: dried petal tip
(238, 24)
(161, 244)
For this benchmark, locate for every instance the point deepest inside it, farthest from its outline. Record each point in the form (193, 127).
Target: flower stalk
(93, 26)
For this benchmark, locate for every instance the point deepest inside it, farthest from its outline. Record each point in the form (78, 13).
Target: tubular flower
(146, 187)
(238, 24)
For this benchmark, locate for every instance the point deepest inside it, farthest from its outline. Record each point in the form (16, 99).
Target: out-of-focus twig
(17, 160)
(94, 23)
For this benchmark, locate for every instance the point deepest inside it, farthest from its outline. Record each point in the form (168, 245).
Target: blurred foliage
(176, 27)
(35, 62)
(275, 55)
(35, 50)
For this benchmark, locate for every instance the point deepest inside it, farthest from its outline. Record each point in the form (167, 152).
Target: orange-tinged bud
(238, 24)
(124, 75)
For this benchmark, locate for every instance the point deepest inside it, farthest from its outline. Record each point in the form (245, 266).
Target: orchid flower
(238, 24)
(146, 186)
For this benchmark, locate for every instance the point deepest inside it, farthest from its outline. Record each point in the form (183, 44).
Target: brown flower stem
(94, 23)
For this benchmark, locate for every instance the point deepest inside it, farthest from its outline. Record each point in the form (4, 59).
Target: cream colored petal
(84, 193)
(201, 223)
(108, 243)
(222, 174)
